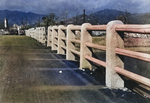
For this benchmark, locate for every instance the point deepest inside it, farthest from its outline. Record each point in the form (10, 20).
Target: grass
(13, 67)
(1, 63)
(99, 40)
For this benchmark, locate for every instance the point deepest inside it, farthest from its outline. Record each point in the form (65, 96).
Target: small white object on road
(60, 71)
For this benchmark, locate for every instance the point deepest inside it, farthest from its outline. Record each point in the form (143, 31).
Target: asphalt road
(32, 73)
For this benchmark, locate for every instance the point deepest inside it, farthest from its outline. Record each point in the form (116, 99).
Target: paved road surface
(32, 73)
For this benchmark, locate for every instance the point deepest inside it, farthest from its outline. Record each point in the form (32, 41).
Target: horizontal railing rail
(145, 29)
(97, 61)
(75, 27)
(75, 41)
(75, 51)
(63, 38)
(133, 54)
(96, 46)
(97, 27)
(64, 47)
(133, 76)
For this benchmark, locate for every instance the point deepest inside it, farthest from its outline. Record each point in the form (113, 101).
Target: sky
(73, 7)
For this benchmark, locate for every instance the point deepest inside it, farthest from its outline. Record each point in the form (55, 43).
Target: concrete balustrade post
(43, 35)
(40, 39)
(36, 33)
(113, 40)
(39, 31)
(61, 33)
(39, 34)
(70, 45)
(49, 36)
(26, 33)
(54, 33)
(33, 33)
(29, 32)
(84, 50)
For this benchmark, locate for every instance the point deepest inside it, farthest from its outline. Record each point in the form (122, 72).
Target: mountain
(106, 15)
(100, 17)
(17, 17)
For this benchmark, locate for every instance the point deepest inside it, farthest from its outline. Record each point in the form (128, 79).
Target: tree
(124, 17)
(2, 25)
(94, 19)
(76, 16)
(50, 20)
(24, 22)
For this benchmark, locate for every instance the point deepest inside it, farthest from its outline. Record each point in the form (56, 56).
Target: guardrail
(63, 38)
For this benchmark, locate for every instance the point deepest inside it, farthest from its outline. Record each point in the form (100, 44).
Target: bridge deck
(32, 73)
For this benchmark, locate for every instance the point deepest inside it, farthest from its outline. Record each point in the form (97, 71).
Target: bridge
(64, 71)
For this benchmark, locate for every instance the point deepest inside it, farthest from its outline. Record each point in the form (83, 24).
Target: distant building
(17, 28)
(6, 23)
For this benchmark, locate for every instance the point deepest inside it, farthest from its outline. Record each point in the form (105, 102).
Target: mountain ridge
(17, 17)
(99, 17)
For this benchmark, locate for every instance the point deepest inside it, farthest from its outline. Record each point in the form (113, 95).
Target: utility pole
(39, 22)
(84, 16)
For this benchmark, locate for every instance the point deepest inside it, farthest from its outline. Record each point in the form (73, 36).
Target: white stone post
(54, 40)
(43, 35)
(113, 40)
(49, 36)
(84, 50)
(70, 45)
(61, 34)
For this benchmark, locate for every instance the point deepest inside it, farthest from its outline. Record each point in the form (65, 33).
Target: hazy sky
(48, 6)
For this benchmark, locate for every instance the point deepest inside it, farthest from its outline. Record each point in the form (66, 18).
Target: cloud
(58, 6)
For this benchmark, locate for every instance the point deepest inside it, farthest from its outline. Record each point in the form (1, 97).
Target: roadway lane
(32, 73)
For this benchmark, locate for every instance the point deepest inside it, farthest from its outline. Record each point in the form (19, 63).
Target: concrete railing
(37, 33)
(63, 39)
